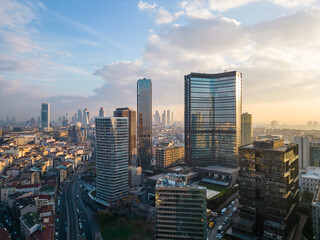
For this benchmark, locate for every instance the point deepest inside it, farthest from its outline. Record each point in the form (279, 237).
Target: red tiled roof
(46, 234)
(4, 234)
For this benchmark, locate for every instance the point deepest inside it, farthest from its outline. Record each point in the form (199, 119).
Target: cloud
(163, 16)
(275, 58)
(225, 5)
(14, 14)
(146, 6)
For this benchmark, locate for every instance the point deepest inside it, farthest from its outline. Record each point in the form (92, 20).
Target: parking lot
(224, 220)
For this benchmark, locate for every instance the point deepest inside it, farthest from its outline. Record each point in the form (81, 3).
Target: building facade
(180, 209)
(303, 143)
(213, 107)
(246, 129)
(132, 120)
(144, 106)
(170, 156)
(316, 214)
(112, 158)
(45, 116)
(268, 188)
(310, 180)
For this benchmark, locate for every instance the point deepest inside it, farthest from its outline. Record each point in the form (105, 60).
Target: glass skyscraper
(112, 158)
(213, 107)
(45, 116)
(144, 106)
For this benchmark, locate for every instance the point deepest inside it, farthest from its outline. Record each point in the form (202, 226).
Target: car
(223, 211)
(234, 209)
(226, 219)
(230, 215)
(232, 203)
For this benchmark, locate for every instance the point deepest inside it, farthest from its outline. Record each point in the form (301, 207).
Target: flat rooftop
(219, 169)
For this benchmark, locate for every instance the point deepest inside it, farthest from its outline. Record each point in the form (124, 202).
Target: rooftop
(31, 219)
(219, 169)
(314, 174)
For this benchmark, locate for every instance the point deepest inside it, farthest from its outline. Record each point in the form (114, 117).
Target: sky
(80, 54)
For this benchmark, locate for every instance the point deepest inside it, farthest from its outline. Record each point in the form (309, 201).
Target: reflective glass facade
(45, 115)
(144, 106)
(213, 107)
(112, 158)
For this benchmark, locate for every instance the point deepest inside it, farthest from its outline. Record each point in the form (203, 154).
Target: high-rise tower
(144, 105)
(213, 107)
(246, 128)
(132, 122)
(45, 116)
(112, 158)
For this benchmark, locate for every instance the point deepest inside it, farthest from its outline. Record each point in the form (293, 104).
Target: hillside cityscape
(120, 164)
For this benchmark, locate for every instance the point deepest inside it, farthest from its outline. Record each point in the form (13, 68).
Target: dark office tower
(45, 116)
(132, 118)
(144, 103)
(213, 107)
(79, 115)
(269, 190)
(164, 119)
(102, 112)
(112, 158)
(168, 117)
(246, 128)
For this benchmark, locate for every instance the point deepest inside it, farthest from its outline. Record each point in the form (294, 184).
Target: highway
(74, 211)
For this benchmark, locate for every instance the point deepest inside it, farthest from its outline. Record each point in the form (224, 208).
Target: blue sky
(78, 54)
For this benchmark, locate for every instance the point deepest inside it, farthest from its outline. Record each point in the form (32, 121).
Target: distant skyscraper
(112, 158)
(168, 117)
(79, 115)
(274, 124)
(33, 122)
(246, 128)
(157, 117)
(45, 116)
(181, 210)
(309, 124)
(144, 103)
(102, 112)
(164, 119)
(303, 143)
(172, 119)
(269, 190)
(315, 125)
(85, 117)
(213, 107)
(132, 118)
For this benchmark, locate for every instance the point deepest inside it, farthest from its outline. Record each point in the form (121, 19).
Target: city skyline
(71, 60)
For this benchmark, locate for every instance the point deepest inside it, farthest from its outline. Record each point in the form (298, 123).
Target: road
(219, 220)
(73, 211)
